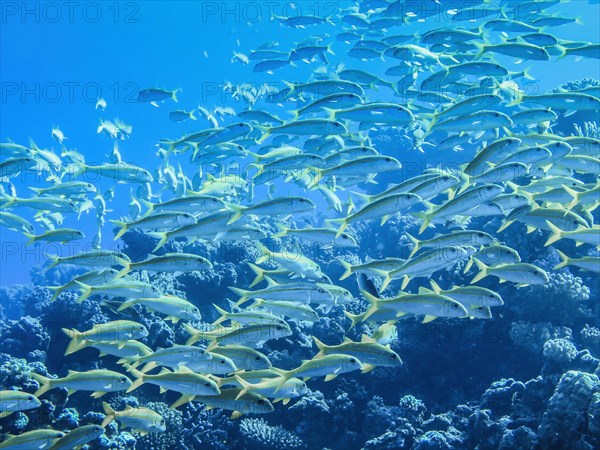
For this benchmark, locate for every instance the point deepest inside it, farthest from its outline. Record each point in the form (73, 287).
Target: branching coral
(260, 435)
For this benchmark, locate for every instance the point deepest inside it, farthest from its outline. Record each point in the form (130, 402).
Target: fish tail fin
(241, 292)
(139, 380)
(246, 387)
(265, 253)
(55, 260)
(124, 271)
(347, 269)
(564, 260)
(330, 112)
(86, 291)
(574, 194)
(504, 225)
(237, 212)
(11, 201)
(30, 237)
(285, 375)
(122, 230)
(483, 271)
(343, 226)
(320, 346)
(174, 95)
(127, 304)
(57, 290)
(164, 237)
(481, 49)
(109, 412)
(295, 114)
(282, 231)
(425, 218)
(260, 274)
(316, 179)
(266, 132)
(76, 340)
(416, 244)
(223, 315)
(387, 279)
(556, 234)
(44, 382)
(354, 318)
(148, 205)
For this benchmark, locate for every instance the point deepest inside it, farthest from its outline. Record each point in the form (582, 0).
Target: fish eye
(344, 236)
(496, 115)
(260, 401)
(214, 200)
(59, 435)
(535, 272)
(321, 291)
(257, 358)
(480, 235)
(491, 295)
(279, 327)
(388, 159)
(207, 384)
(352, 361)
(30, 398)
(304, 385)
(575, 222)
(141, 329)
(222, 362)
(96, 429)
(162, 421)
(122, 380)
(454, 305)
(393, 356)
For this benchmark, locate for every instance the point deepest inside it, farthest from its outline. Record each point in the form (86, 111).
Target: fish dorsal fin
(424, 290)
(185, 369)
(72, 372)
(367, 339)
(164, 370)
(347, 340)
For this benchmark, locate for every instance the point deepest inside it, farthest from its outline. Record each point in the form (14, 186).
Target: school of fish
(449, 89)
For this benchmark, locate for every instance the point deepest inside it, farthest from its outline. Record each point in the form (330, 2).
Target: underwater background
(528, 377)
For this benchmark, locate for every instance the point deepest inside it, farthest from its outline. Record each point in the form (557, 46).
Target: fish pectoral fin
(530, 229)
(367, 368)
(428, 318)
(236, 415)
(163, 390)
(331, 376)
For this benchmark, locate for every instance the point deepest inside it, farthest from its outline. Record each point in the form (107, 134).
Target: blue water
(56, 60)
